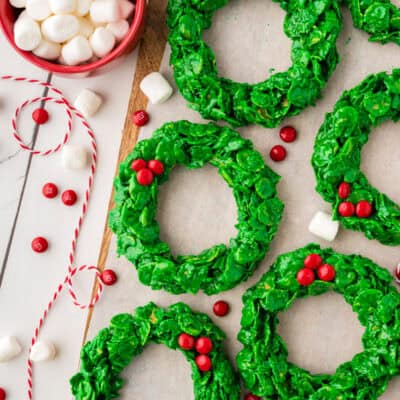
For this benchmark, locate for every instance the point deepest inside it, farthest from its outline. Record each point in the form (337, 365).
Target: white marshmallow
(77, 51)
(62, 6)
(323, 226)
(38, 9)
(102, 41)
(83, 7)
(18, 3)
(88, 102)
(156, 88)
(119, 29)
(47, 50)
(42, 350)
(86, 27)
(60, 28)
(104, 11)
(74, 157)
(27, 34)
(9, 348)
(126, 8)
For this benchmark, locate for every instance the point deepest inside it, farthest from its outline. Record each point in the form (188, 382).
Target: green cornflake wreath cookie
(365, 286)
(337, 158)
(254, 187)
(313, 26)
(105, 357)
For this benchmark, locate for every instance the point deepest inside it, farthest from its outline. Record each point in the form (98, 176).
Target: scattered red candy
(109, 277)
(305, 277)
(397, 273)
(344, 190)
(326, 273)
(346, 209)
(69, 197)
(3, 394)
(157, 167)
(278, 153)
(39, 244)
(50, 190)
(250, 396)
(203, 363)
(186, 341)
(313, 261)
(363, 209)
(221, 308)
(204, 345)
(138, 165)
(140, 118)
(145, 177)
(40, 116)
(288, 134)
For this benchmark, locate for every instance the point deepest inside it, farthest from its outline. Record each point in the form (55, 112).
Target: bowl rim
(134, 31)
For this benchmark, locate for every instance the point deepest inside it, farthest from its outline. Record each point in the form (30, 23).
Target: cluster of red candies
(145, 170)
(288, 134)
(314, 265)
(203, 346)
(363, 209)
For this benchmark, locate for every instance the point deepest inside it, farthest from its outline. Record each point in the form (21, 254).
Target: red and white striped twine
(72, 271)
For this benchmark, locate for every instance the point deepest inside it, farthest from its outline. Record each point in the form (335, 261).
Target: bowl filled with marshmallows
(73, 37)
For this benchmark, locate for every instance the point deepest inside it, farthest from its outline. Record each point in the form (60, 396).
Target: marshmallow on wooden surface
(48, 50)
(119, 29)
(102, 41)
(86, 27)
(60, 28)
(88, 102)
(126, 8)
(38, 9)
(62, 6)
(42, 350)
(156, 88)
(323, 226)
(18, 3)
(9, 348)
(76, 51)
(83, 7)
(74, 156)
(27, 34)
(104, 11)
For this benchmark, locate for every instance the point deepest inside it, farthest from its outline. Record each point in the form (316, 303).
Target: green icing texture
(243, 169)
(113, 349)
(365, 286)
(337, 153)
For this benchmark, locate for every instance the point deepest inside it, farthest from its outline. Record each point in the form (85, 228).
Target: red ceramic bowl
(8, 15)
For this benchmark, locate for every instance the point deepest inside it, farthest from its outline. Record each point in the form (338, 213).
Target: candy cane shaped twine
(70, 111)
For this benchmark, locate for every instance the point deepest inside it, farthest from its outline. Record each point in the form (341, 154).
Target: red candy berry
(313, 261)
(397, 273)
(221, 308)
(140, 118)
(39, 244)
(145, 177)
(278, 153)
(157, 167)
(40, 116)
(363, 209)
(203, 363)
(109, 277)
(186, 342)
(69, 197)
(3, 394)
(50, 190)
(305, 277)
(250, 396)
(344, 190)
(346, 209)
(138, 165)
(288, 134)
(326, 273)
(204, 345)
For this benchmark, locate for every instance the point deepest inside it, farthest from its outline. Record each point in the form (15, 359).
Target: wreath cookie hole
(321, 333)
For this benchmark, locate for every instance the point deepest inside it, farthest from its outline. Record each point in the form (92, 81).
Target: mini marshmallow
(62, 6)
(83, 7)
(38, 9)
(104, 11)
(119, 29)
(88, 102)
(9, 348)
(102, 41)
(156, 88)
(74, 157)
(18, 3)
(77, 51)
(48, 50)
(126, 8)
(323, 226)
(27, 34)
(42, 350)
(60, 28)
(86, 27)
